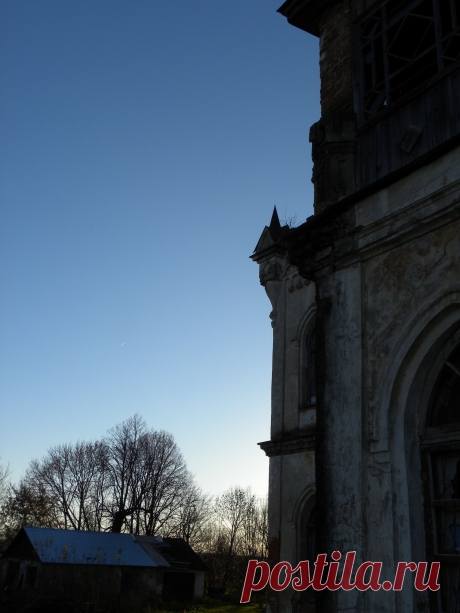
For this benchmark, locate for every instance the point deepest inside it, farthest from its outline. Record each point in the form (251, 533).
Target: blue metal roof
(148, 545)
(80, 547)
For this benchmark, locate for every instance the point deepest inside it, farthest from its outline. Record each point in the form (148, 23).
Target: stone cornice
(290, 444)
(333, 235)
(268, 252)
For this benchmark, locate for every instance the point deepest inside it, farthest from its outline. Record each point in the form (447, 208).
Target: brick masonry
(335, 59)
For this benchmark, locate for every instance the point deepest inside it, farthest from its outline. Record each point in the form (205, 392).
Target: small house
(50, 559)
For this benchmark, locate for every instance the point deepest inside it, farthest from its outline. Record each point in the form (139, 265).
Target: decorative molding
(304, 323)
(290, 444)
(434, 319)
(270, 271)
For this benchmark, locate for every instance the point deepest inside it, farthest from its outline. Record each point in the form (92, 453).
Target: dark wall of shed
(178, 586)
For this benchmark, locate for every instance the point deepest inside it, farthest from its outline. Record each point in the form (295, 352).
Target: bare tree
(135, 480)
(262, 529)
(70, 475)
(192, 522)
(123, 447)
(146, 477)
(235, 511)
(52, 472)
(237, 532)
(88, 485)
(27, 506)
(5, 472)
(166, 485)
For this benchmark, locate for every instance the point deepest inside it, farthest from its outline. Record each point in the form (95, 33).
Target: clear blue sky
(144, 145)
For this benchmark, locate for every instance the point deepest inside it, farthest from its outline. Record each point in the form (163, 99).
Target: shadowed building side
(365, 418)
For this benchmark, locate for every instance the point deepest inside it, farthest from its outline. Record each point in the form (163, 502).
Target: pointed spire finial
(275, 226)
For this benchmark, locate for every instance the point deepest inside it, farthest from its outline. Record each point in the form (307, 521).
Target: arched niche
(305, 339)
(305, 518)
(418, 439)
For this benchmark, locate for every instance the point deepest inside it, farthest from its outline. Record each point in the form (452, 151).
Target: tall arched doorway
(422, 422)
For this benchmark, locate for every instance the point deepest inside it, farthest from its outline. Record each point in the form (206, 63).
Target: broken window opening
(444, 477)
(402, 45)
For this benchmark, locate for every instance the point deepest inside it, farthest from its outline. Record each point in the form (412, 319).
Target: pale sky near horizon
(144, 145)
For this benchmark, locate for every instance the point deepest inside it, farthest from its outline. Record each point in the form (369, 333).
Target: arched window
(443, 483)
(310, 531)
(307, 543)
(445, 401)
(308, 391)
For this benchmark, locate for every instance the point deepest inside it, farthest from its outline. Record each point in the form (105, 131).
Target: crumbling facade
(365, 423)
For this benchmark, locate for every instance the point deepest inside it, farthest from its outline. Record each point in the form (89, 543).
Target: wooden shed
(43, 558)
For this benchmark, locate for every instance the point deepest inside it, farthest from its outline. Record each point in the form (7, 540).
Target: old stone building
(365, 423)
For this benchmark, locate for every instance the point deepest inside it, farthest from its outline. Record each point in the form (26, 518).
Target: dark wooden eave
(21, 548)
(305, 14)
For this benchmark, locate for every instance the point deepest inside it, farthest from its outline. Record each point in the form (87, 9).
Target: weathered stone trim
(290, 444)
(302, 235)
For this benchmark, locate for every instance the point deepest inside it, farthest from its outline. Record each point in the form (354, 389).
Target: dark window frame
(307, 368)
(376, 36)
(31, 576)
(440, 446)
(436, 513)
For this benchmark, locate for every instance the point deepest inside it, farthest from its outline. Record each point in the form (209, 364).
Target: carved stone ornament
(270, 271)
